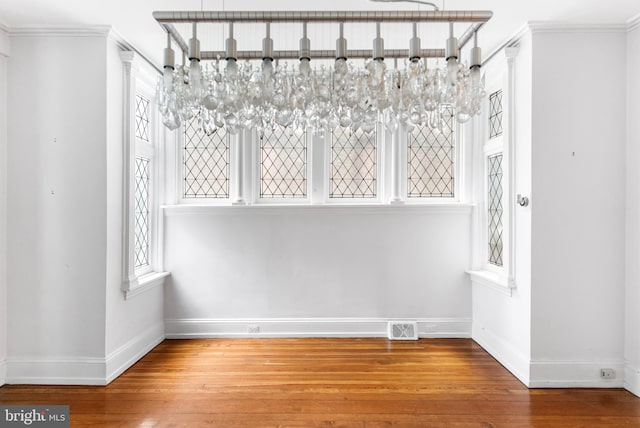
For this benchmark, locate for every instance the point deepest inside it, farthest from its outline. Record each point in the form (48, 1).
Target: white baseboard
(309, 327)
(129, 353)
(632, 379)
(56, 371)
(575, 374)
(507, 355)
(3, 372)
(82, 371)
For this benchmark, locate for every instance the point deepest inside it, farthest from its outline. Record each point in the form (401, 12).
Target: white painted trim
(511, 358)
(61, 31)
(310, 327)
(573, 27)
(3, 372)
(145, 283)
(81, 370)
(128, 354)
(492, 281)
(56, 371)
(633, 23)
(448, 209)
(574, 374)
(632, 379)
(124, 44)
(5, 44)
(509, 42)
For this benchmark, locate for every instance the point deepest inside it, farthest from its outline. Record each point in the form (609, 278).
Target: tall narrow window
(142, 118)
(431, 160)
(206, 162)
(494, 177)
(495, 114)
(142, 189)
(283, 164)
(494, 212)
(142, 226)
(353, 164)
(141, 186)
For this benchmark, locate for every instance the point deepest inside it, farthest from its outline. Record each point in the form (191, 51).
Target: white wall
(68, 321)
(4, 53)
(632, 289)
(502, 323)
(56, 184)
(578, 204)
(136, 325)
(235, 266)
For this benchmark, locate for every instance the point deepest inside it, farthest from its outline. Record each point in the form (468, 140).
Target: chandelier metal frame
(476, 19)
(245, 97)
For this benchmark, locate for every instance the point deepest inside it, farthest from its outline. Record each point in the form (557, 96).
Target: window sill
(333, 208)
(145, 283)
(492, 281)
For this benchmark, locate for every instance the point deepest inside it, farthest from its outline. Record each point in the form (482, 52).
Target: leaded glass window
(431, 160)
(141, 238)
(495, 114)
(206, 162)
(283, 164)
(353, 164)
(142, 118)
(495, 209)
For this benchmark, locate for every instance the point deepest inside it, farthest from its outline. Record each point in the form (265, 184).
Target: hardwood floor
(327, 383)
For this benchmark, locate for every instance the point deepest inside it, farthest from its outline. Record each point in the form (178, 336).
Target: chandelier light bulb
(232, 68)
(305, 67)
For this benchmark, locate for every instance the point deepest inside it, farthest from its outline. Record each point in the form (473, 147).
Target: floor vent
(403, 330)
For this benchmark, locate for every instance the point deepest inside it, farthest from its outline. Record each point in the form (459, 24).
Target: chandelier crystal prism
(242, 95)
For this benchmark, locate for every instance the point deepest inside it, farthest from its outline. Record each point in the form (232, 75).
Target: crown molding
(4, 41)
(124, 44)
(572, 27)
(633, 23)
(61, 31)
(563, 27)
(510, 42)
(105, 31)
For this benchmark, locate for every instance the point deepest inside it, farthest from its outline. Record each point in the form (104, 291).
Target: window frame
(255, 166)
(146, 150)
(180, 173)
(499, 278)
(327, 140)
(458, 175)
(492, 148)
(138, 76)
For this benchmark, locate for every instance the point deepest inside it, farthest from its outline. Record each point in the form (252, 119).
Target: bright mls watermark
(34, 416)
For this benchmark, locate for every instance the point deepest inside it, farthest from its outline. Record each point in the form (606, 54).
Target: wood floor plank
(327, 383)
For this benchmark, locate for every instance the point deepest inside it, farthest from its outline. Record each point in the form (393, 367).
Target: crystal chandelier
(224, 92)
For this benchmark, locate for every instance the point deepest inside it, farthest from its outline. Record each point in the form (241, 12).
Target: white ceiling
(133, 20)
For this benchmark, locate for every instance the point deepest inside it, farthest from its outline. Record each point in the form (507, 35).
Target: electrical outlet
(607, 374)
(253, 329)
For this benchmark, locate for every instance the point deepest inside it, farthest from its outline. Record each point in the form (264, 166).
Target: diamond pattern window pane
(283, 164)
(495, 114)
(141, 239)
(495, 209)
(142, 118)
(431, 160)
(353, 164)
(206, 162)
